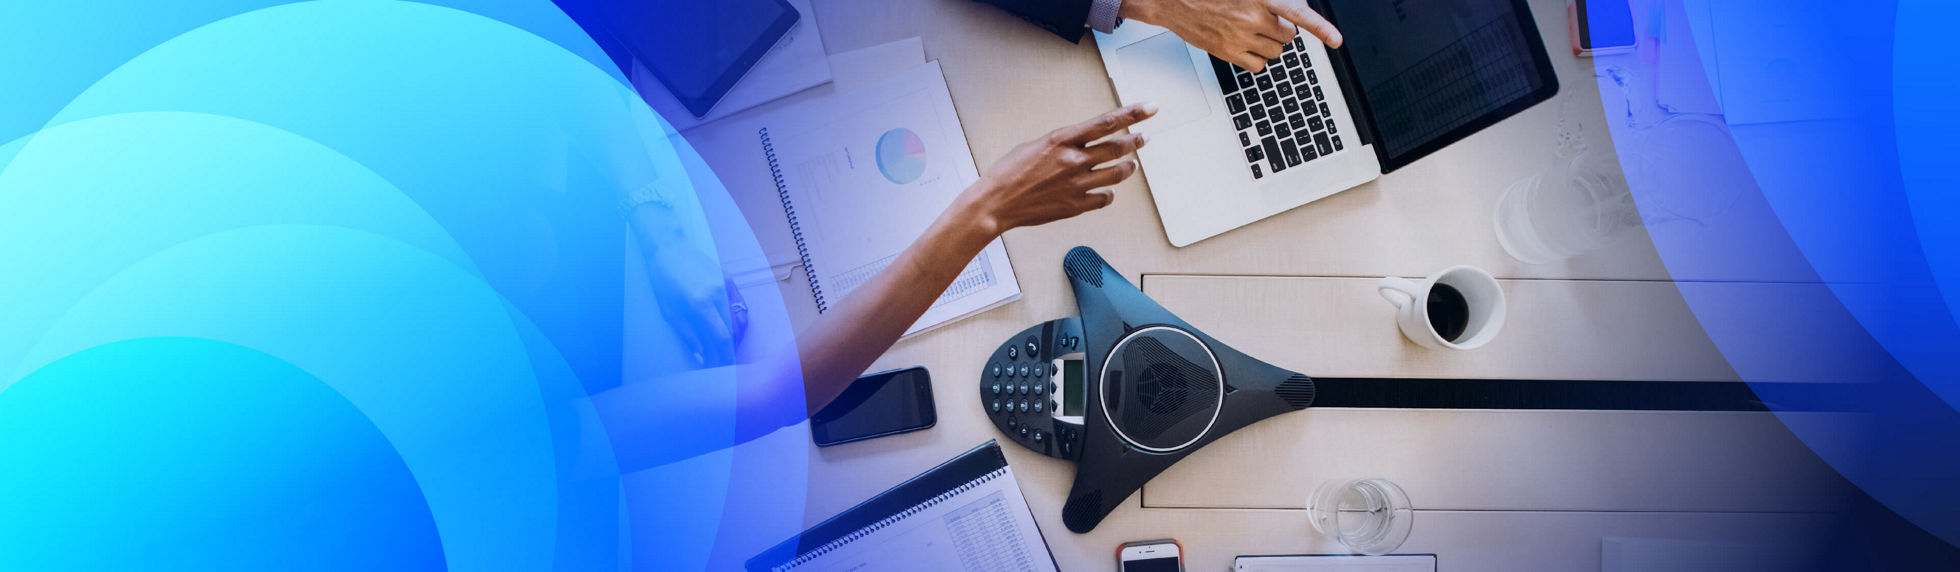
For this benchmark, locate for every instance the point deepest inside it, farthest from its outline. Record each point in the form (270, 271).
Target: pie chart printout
(901, 156)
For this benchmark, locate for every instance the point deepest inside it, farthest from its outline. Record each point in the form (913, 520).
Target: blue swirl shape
(332, 285)
(1836, 140)
(167, 412)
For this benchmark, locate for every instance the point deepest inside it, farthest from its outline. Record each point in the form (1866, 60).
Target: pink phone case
(1572, 27)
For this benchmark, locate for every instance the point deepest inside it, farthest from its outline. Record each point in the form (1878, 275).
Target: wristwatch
(652, 192)
(1103, 15)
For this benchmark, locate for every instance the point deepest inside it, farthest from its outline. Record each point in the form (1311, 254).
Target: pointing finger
(1103, 125)
(1308, 20)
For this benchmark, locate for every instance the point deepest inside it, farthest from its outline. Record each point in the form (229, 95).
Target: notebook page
(868, 171)
(986, 528)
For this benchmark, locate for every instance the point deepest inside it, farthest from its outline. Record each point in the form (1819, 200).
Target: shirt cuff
(1102, 15)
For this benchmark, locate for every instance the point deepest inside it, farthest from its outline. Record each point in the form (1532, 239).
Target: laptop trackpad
(1159, 70)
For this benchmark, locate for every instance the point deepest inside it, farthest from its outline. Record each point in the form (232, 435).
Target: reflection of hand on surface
(704, 308)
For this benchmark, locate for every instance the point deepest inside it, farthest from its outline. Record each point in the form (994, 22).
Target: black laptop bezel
(700, 104)
(1363, 114)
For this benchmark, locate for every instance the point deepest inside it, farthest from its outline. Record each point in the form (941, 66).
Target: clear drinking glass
(1369, 516)
(1581, 203)
(1583, 200)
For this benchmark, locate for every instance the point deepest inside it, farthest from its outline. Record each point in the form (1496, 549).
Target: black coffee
(1449, 313)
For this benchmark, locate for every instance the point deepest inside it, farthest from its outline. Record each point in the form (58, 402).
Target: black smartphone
(876, 405)
(1604, 26)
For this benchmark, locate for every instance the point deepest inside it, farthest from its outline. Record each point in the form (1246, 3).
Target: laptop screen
(1431, 72)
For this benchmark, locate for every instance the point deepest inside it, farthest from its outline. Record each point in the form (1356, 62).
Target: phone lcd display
(1605, 24)
(1074, 387)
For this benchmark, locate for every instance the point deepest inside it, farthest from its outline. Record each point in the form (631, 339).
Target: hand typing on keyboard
(1280, 112)
(1245, 33)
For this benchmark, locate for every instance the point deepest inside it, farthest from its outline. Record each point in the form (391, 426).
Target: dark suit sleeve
(1066, 18)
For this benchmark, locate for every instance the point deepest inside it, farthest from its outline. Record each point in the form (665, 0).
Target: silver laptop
(1223, 155)
(1229, 147)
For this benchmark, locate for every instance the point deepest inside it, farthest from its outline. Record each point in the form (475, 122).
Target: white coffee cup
(1482, 297)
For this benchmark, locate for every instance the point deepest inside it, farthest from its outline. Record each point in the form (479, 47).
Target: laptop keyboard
(1280, 113)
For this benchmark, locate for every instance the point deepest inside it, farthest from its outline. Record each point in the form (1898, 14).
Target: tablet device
(1427, 73)
(697, 48)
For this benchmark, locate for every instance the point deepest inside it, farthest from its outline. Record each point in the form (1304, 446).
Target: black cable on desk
(1568, 394)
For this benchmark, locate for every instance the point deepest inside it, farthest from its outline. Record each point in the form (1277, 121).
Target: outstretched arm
(1058, 176)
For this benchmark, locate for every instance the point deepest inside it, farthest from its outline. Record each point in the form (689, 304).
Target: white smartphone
(1163, 555)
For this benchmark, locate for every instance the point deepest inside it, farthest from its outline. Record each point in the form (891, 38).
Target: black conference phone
(1126, 389)
(1034, 388)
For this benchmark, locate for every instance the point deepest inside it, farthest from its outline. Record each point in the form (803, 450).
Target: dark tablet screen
(1433, 71)
(698, 48)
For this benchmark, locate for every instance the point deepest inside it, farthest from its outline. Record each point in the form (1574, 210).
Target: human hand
(1246, 33)
(1057, 176)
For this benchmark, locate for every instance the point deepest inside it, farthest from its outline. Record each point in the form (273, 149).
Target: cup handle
(1398, 291)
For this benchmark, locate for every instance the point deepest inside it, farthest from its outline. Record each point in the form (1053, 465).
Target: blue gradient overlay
(1818, 163)
(346, 285)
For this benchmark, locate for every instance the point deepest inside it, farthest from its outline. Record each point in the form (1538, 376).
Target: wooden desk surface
(1540, 491)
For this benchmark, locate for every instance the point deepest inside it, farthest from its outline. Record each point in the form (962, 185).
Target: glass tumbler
(1578, 205)
(1369, 516)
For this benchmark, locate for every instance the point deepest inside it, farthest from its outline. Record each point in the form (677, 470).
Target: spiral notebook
(863, 173)
(966, 514)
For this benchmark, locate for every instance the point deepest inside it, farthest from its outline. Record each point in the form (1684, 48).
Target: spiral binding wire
(795, 228)
(854, 536)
